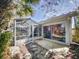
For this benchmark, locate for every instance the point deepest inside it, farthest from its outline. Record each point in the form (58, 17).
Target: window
(47, 32)
(58, 32)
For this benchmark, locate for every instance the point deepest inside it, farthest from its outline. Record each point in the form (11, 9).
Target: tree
(9, 8)
(49, 6)
(76, 36)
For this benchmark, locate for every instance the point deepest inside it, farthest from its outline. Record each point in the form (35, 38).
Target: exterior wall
(68, 29)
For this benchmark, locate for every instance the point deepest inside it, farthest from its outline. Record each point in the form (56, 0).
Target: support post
(15, 33)
(33, 32)
(42, 32)
(68, 31)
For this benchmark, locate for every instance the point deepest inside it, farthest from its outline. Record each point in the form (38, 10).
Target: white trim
(15, 33)
(53, 23)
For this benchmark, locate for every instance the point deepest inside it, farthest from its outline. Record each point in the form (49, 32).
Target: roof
(63, 16)
(25, 19)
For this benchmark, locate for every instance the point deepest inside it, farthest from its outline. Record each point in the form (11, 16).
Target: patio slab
(49, 44)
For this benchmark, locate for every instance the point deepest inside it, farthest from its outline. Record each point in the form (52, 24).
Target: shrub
(4, 44)
(76, 36)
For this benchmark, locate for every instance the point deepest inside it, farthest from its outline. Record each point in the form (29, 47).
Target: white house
(59, 28)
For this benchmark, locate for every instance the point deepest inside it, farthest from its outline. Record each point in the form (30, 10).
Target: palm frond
(30, 1)
(22, 8)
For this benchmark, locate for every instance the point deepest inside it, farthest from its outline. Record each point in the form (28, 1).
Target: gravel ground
(36, 51)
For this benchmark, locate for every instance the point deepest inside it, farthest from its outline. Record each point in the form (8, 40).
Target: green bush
(76, 36)
(75, 51)
(4, 42)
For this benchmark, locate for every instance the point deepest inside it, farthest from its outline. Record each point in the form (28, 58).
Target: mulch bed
(75, 51)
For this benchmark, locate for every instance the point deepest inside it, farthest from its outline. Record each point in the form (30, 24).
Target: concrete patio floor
(49, 44)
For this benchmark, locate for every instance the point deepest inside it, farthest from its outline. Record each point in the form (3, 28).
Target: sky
(65, 6)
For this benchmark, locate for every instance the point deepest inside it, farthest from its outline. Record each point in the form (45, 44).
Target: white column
(32, 31)
(38, 31)
(68, 31)
(15, 33)
(42, 32)
(29, 31)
